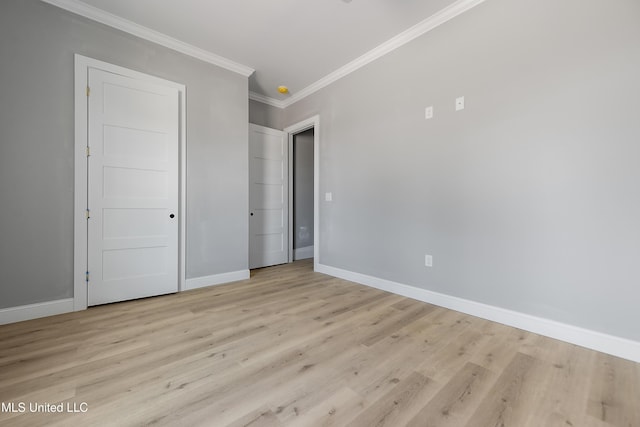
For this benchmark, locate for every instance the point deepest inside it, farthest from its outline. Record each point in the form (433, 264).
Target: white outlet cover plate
(428, 112)
(460, 103)
(428, 261)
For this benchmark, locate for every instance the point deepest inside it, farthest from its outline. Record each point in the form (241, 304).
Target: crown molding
(435, 20)
(106, 18)
(266, 100)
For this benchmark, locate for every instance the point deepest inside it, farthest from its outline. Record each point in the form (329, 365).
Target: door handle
(171, 216)
(251, 213)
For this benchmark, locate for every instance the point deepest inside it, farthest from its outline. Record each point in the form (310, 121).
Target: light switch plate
(328, 197)
(460, 103)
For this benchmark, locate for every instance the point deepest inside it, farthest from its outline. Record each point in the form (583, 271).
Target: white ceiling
(287, 42)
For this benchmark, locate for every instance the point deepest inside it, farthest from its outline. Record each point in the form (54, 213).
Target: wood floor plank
(455, 402)
(398, 406)
(562, 390)
(503, 405)
(407, 316)
(503, 344)
(291, 347)
(257, 418)
(613, 381)
(336, 410)
(452, 356)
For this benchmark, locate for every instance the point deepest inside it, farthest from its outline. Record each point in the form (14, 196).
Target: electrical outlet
(428, 112)
(428, 261)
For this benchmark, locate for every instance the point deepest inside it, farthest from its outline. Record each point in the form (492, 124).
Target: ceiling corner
(267, 100)
(114, 21)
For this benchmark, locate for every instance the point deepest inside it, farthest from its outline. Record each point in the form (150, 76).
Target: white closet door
(133, 188)
(268, 199)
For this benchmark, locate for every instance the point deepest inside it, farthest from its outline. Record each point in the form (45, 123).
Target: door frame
(290, 131)
(82, 64)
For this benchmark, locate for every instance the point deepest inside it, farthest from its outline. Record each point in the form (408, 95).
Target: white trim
(35, 311)
(290, 190)
(435, 20)
(106, 18)
(81, 68)
(80, 237)
(266, 100)
(303, 253)
(182, 207)
(311, 122)
(216, 279)
(594, 340)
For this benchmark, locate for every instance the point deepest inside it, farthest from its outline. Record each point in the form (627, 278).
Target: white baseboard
(51, 308)
(303, 253)
(34, 311)
(616, 346)
(216, 279)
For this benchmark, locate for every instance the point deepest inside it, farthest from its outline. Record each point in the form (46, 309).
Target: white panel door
(133, 188)
(268, 199)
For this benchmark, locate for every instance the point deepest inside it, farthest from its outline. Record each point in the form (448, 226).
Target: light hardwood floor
(291, 347)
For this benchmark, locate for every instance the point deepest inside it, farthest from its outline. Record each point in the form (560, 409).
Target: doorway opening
(304, 183)
(276, 234)
(301, 166)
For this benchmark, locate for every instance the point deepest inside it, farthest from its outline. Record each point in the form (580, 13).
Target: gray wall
(529, 198)
(303, 189)
(37, 44)
(265, 115)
